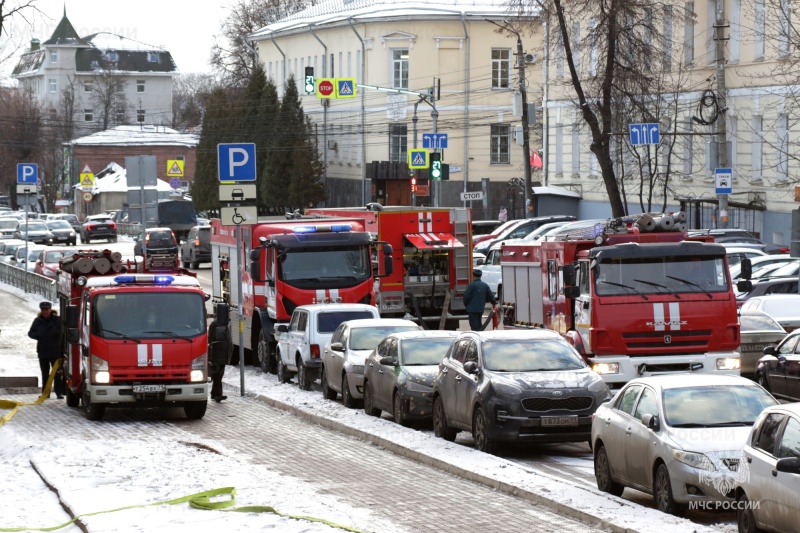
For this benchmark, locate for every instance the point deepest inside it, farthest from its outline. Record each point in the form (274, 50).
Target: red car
(47, 262)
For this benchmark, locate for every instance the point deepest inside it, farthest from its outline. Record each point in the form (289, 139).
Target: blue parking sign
(27, 173)
(236, 162)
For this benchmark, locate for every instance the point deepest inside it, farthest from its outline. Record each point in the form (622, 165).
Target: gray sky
(183, 27)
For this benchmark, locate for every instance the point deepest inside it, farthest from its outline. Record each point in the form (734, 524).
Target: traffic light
(445, 172)
(436, 166)
(310, 85)
(413, 184)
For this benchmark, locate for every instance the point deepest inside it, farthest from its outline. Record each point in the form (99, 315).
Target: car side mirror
(471, 367)
(221, 335)
(283, 328)
(790, 465)
(339, 347)
(746, 269)
(222, 312)
(569, 275)
(73, 337)
(72, 316)
(572, 292)
(744, 285)
(651, 422)
(388, 361)
(480, 261)
(769, 350)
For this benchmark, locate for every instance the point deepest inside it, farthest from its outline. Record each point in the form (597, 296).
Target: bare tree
(231, 58)
(108, 93)
(190, 92)
(10, 44)
(614, 60)
(21, 123)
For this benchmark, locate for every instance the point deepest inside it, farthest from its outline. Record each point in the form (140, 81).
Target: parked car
(761, 262)
(484, 227)
(300, 343)
(34, 231)
(62, 232)
(196, 248)
(758, 330)
(520, 229)
(98, 227)
(47, 261)
(778, 369)
(7, 227)
(525, 385)
(499, 230)
(768, 495)
(9, 249)
(343, 358)
(766, 287)
(69, 217)
(784, 308)
(399, 374)
(736, 254)
(678, 437)
(26, 257)
(156, 241)
(732, 236)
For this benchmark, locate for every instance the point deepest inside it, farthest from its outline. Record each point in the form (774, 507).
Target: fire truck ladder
(461, 227)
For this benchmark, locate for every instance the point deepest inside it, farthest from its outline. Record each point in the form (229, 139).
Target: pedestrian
(503, 216)
(218, 358)
(46, 329)
(477, 295)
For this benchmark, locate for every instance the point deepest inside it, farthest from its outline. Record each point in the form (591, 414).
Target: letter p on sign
(236, 162)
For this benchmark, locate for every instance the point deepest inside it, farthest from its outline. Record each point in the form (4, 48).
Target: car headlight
(100, 372)
(71, 233)
(506, 388)
(606, 368)
(729, 363)
(417, 387)
(199, 368)
(692, 459)
(598, 385)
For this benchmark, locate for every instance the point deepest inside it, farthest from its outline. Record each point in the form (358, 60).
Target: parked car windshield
(759, 323)
(369, 338)
(708, 406)
(328, 322)
(32, 226)
(55, 257)
(652, 275)
(58, 224)
(424, 351)
(527, 355)
(158, 315)
(9, 223)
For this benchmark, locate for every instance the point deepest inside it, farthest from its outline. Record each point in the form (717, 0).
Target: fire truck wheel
(90, 409)
(440, 427)
(303, 376)
(73, 400)
(347, 397)
(195, 410)
(284, 376)
(263, 354)
(327, 392)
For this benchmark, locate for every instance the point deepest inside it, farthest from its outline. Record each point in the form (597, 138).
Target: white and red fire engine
(136, 334)
(290, 263)
(632, 300)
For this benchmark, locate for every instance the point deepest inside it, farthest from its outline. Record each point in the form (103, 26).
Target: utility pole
(722, 145)
(526, 146)
(435, 120)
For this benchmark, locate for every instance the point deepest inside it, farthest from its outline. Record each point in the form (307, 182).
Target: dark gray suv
(196, 248)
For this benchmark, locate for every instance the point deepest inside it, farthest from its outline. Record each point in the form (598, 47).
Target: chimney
(35, 44)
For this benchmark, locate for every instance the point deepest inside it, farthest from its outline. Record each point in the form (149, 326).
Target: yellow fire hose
(14, 405)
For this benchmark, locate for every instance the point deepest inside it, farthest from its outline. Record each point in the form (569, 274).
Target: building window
(53, 85)
(576, 148)
(593, 52)
(688, 148)
(785, 17)
(152, 57)
(688, 33)
(398, 142)
(110, 56)
(139, 86)
(88, 115)
(120, 86)
(400, 69)
(140, 115)
(88, 86)
(500, 144)
(119, 115)
(501, 68)
(666, 61)
(783, 147)
(756, 146)
(560, 149)
(760, 29)
(54, 56)
(735, 43)
(576, 45)
(560, 60)
(53, 115)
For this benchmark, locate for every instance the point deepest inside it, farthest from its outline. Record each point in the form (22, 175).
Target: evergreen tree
(216, 126)
(278, 172)
(268, 110)
(306, 189)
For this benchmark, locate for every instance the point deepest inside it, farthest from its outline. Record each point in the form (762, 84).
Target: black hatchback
(196, 248)
(157, 241)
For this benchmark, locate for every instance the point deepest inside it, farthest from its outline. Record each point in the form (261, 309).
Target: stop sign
(326, 88)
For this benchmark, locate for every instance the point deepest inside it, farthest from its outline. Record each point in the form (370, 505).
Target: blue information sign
(644, 134)
(27, 173)
(236, 162)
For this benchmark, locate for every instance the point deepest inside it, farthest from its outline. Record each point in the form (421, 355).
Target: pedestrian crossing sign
(418, 158)
(345, 87)
(87, 179)
(175, 168)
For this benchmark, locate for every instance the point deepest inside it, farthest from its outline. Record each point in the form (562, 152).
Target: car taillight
(314, 351)
(90, 227)
(197, 242)
(113, 226)
(784, 250)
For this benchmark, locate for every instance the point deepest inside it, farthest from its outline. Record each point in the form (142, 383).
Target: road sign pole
(25, 283)
(435, 120)
(240, 253)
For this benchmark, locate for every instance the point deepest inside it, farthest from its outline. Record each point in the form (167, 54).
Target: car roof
(517, 334)
(337, 307)
(427, 334)
(686, 379)
(374, 322)
(771, 297)
(744, 250)
(98, 216)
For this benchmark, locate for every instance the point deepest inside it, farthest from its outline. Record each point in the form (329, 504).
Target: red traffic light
(413, 184)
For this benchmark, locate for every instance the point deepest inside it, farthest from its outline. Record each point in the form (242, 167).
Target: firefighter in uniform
(477, 295)
(218, 358)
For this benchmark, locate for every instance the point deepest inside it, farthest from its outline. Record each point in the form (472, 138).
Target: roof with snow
(114, 178)
(64, 33)
(94, 59)
(333, 11)
(138, 136)
(555, 191)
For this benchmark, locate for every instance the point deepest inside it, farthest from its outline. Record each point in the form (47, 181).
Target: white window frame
(559, 45)
(501, 68)
(398, 63)
(560, 149)
(141, 86)
(88, 86)
(711, 43)
(593, 52)
(688, 148)
(688, 33)
(576, 148)
(576, 45)
(785, 21)
(666, 60)
(398, 142)
(88, 115)
(152, 57)
(52, 84)
(782, 132)
(759, 29)
(735, 42)
(499, 135)
(757, 148)
(53, 56)
(140, 115)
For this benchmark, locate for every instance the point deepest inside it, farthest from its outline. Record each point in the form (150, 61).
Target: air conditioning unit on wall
(530, 59)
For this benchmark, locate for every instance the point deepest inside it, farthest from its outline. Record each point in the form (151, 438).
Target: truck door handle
(608, 421)
(458, 378)
(380, 371)
(444, 371)
(628, 431)
(371, 364)
(749, 459)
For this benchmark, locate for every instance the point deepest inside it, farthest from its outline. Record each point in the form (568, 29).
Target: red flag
(536, 161)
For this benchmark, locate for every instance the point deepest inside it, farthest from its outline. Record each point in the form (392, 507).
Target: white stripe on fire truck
(427, 225)
(141, 355)
(157, 359)
(334, 295)
(658, 316)
(674, 316)
(320, 295)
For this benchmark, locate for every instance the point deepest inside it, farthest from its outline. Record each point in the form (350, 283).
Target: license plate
(752, 347)
(559, 421)
(148, 388)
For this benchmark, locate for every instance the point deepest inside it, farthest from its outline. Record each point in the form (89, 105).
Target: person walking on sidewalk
(477, 295)
(46, 329)
(218, 358)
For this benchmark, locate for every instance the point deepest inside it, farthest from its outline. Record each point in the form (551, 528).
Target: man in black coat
(46, 329)
(477, 295)
(217, 358)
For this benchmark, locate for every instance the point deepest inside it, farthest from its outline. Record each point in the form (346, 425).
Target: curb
(505, 488)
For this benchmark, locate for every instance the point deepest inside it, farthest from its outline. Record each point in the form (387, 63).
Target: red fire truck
(291, 263)
(136, 333)
(632, 301)
(431, 275)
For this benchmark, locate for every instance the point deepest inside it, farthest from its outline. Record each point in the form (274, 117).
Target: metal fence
(29, 281)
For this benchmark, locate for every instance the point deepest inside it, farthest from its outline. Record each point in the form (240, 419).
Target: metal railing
(131, 230)
(29, 281)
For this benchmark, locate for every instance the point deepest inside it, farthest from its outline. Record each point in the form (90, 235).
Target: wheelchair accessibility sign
(345, 87)
(418, 158)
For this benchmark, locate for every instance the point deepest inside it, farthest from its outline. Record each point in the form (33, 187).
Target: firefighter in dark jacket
(46, 329)
(477, 295)
(218, 358)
